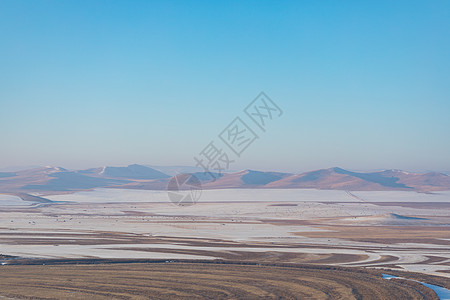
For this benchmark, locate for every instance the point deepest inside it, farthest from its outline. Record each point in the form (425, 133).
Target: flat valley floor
(389, 231)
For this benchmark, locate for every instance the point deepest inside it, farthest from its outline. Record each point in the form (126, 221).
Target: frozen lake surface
(403, 196)
(251, 195)
(10, 200)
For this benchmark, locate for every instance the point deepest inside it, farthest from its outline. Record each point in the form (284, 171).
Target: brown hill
(246, 179)
(51, 180)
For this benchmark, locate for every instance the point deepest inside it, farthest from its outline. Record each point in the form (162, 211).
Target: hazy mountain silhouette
(142, 177)
(130, 172)
(7, 174)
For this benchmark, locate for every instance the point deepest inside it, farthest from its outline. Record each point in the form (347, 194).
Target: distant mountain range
(56, 179)
(130, 172)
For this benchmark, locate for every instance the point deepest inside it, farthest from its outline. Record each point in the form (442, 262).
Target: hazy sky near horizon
(363, 84)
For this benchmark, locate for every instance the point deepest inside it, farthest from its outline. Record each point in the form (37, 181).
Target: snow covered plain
(10, 200)
(403, 230)
(251, 195)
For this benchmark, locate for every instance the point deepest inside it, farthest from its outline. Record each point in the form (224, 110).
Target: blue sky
(363, 84)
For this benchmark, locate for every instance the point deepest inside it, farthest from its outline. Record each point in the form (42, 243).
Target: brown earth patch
(201, 280)
(384, 234)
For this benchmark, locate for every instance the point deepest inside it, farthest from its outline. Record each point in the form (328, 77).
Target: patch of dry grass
(200, 281)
